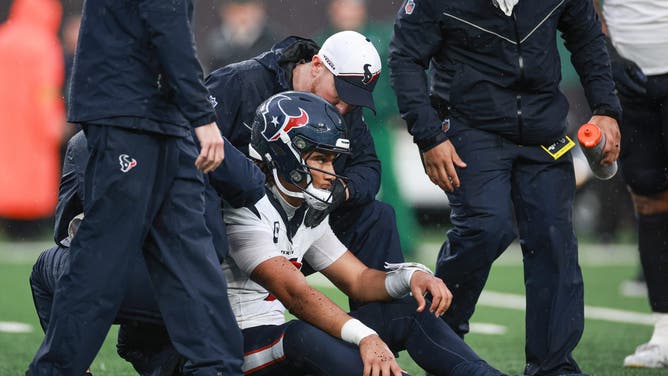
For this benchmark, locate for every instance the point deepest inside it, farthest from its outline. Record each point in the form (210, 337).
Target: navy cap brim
(353, 94)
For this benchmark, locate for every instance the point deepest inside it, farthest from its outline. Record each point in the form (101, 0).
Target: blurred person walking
(32, 116)
(638, 45)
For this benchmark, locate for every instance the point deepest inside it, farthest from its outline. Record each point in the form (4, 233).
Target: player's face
(323, 168)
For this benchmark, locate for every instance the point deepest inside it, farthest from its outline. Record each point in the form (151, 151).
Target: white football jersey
(639, 32)
(259, 233)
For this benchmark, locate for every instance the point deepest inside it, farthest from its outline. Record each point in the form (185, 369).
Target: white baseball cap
(355, 63)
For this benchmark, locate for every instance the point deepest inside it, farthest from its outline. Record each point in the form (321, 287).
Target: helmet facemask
(300, 175)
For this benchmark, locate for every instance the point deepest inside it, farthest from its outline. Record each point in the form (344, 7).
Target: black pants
(644, 166)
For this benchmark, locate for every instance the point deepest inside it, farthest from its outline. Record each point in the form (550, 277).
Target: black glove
(314, 217)
(629, 78)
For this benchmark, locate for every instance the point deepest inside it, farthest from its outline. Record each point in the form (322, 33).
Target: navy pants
(298, 348)
(294, 348)
(644, 165)
(370, 232)
(157, 204)
(504, 181)
(142, 337)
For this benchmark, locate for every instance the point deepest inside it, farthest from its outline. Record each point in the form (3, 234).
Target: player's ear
(316, 66)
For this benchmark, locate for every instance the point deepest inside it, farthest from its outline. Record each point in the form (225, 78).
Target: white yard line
(487, 328)
(589, 254)
(517, 302)
(14, 327)
(22, 252)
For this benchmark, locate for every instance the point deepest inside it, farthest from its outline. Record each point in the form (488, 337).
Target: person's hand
(441, 297)
(610, 129)
(377, 358)
(439, 164)
(213, 149)
(314, 217)
(629, 78)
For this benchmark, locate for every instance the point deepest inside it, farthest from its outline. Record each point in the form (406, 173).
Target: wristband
(398, 278)
(354, 331)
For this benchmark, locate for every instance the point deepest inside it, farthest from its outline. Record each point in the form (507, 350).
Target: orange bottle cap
(589, 135)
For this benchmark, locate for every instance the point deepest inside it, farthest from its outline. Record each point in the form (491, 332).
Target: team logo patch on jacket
(127, 163)
(409, 7)
(213, 101)
(289, 117)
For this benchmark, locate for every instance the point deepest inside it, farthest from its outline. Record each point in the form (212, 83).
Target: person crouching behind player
(296, 138)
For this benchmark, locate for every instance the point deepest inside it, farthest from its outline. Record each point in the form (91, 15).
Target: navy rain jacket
(495, 72)
(238, 89)
(136, 67)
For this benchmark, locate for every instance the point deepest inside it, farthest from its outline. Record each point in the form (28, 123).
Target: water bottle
(591, 141)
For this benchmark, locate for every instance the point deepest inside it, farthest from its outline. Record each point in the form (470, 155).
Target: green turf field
(611, 332)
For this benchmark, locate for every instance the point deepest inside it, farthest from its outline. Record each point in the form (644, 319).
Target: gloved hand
(629, 78)
(314, 217)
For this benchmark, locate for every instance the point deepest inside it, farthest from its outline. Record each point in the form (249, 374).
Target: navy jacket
(136, 67)
(494, 72)
(237, 180)
(238, 89)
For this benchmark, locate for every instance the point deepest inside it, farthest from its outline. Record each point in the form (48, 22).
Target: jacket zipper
(520, 63)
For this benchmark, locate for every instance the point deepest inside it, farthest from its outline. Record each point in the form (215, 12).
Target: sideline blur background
(232, 30)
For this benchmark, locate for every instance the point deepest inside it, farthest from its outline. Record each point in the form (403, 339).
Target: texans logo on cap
(368, 76)
(410, 5)
(290, 117)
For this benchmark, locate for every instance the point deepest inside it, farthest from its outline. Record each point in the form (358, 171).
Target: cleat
(648, 355)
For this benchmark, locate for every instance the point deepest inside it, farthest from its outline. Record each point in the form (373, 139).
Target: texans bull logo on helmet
(284, 117)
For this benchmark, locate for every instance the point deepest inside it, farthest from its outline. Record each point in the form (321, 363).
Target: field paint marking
(591, 255)
(15, 327)
(22, 252)
(487, 328)
(515, 301)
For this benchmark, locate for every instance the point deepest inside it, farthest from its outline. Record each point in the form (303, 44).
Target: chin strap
(318, 199)
(281, 188)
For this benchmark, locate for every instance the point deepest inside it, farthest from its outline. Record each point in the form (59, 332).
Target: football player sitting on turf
(296, 138)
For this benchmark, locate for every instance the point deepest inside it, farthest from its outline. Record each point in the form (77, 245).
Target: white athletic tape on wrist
(398, 279)
(354, 331)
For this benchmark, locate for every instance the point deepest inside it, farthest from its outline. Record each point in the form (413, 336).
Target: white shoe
(648, 355)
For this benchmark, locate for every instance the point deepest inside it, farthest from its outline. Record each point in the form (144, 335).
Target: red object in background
(32, 115)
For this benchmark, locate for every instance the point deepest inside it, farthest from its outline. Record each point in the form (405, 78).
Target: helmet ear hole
(299, 143)
(296, 176)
